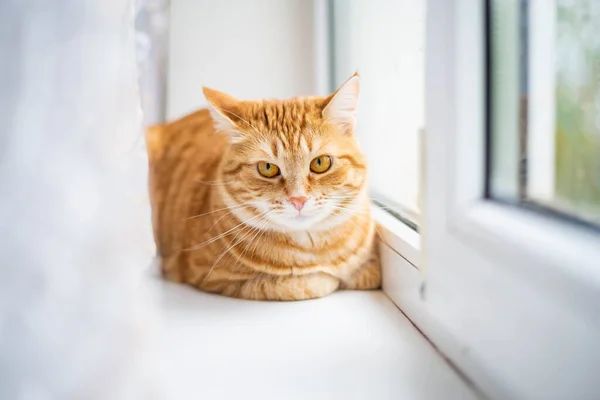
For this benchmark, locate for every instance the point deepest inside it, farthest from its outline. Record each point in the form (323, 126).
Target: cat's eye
(268, 170)
(320, 164)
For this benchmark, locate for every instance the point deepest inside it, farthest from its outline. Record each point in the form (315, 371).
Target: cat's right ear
(226, 113)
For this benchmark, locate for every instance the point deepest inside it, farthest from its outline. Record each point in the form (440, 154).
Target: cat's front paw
(289, 288)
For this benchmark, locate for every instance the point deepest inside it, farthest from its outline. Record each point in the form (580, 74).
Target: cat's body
(223, 227)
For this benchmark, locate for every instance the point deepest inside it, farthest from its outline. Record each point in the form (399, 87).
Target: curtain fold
(76, 320)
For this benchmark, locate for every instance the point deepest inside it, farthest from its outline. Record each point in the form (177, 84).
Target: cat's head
(292, 164)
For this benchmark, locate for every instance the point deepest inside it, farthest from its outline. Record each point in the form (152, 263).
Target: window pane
(545, 105)
(384, 41)
(506, 90)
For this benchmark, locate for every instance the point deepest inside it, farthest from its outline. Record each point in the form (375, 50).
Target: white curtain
(76, 319)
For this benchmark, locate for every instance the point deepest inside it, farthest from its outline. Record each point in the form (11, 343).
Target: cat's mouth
(299, 220)
(290, 219)
(303, 217)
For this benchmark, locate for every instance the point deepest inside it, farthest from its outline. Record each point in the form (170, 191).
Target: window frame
(497, 291)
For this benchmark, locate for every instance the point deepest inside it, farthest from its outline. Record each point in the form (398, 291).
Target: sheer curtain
(76, 320)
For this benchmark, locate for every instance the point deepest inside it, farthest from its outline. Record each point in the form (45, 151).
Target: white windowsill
(397, 235)
(349, 345)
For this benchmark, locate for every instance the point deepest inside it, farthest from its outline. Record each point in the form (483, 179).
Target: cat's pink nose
(298, 201)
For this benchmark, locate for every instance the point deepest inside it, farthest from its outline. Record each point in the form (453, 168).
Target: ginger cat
(265, 199)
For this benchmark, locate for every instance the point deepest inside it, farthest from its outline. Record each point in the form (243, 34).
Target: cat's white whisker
(378, 202)
(259, 230)
(226, 251)
(228, 232)
(233, 245)
(350, 210)
(213, 239)
(228, 213)
(220, 209)
(257, 241)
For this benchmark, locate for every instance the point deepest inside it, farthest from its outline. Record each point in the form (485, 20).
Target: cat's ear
(341, 106)
(226, 113)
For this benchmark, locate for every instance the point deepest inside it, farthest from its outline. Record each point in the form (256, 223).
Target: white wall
(249, 49)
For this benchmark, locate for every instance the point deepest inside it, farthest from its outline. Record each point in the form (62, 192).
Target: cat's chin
(301, 222)
(298, 223)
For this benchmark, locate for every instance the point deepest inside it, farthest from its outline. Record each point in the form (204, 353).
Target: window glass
(544, 103)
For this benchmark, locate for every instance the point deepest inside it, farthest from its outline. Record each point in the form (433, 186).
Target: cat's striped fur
(222, 227)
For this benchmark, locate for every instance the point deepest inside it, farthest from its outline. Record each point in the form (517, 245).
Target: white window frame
(511, 296)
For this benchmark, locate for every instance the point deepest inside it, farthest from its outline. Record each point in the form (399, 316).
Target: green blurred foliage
(578, 107)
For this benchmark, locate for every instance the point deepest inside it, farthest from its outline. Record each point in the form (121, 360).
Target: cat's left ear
(341, 106)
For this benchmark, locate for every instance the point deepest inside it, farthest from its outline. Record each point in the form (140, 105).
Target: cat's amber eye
(320, 164)
(268, 170)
